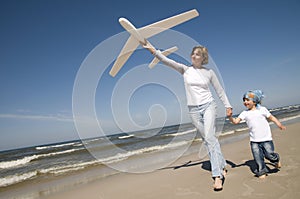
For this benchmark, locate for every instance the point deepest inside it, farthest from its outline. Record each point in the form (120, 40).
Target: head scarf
(254, 95)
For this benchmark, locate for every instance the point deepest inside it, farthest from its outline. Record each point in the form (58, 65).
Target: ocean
(53, 167)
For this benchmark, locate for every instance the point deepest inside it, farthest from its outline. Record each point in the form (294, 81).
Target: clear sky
(44, 43)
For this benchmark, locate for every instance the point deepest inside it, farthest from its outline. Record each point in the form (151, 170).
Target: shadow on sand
(206, 165)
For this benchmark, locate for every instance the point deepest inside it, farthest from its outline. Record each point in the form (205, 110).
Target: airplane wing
(166, 53)
(124, 55)
(160, 26)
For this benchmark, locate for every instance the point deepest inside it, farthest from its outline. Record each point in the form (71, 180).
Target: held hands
(229, 112)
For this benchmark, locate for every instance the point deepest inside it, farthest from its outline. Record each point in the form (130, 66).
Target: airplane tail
(166, 53)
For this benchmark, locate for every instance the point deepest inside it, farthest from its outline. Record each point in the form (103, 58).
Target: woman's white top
(197, 82)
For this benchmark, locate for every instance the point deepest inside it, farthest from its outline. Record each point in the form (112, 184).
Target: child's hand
(229, 112)
(281, 127)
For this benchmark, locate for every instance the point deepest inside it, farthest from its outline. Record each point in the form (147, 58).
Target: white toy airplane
(139, 36)
(166, 53)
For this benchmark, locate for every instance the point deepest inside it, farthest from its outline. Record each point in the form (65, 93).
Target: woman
(202, 107)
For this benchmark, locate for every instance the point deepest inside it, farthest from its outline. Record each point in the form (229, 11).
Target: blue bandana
(254, 95)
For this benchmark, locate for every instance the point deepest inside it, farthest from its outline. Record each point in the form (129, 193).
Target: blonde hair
(204, 53)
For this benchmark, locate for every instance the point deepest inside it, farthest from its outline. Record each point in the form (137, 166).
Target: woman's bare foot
(218, 184)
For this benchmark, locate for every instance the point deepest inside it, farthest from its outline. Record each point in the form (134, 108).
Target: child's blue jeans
(260, 151)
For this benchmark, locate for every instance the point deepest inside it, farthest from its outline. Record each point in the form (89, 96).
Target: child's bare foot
(278, 165)
(218, 185)
(262, 176)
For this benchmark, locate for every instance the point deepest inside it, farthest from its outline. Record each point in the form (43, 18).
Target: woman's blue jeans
(203, 118)
(260, 151)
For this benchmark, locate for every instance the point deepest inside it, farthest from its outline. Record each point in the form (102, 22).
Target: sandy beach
(190, 178)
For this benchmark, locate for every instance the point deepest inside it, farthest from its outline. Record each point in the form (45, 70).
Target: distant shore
(190, 178)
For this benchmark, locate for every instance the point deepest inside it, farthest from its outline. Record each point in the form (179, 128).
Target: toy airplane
(166, 53)
(140, 35)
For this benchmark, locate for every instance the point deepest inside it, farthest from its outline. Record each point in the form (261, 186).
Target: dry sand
(193, 180)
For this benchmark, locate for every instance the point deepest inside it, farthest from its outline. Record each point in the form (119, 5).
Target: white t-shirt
(196, 82)
(259, 127)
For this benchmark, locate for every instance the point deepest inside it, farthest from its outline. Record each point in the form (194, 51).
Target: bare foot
(262, 176)
(278, 165)
(224, 172)
(218, 185)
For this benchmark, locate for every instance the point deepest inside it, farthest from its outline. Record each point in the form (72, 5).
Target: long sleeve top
(197, 82)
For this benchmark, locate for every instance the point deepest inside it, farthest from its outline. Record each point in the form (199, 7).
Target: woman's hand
(147, 45)
(229, 112)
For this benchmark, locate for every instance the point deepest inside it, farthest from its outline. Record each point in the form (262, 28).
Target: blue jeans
(260, 151)
(203, 118)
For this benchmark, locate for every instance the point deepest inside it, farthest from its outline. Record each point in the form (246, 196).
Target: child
(260, 132)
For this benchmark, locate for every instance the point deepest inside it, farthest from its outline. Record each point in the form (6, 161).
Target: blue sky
(44, 43)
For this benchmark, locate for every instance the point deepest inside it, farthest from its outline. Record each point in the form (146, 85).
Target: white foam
(227, 133)
(122, 156)
(15, 163)
(67, 168)
(27, 159)
(54, 146)
(289, 118)
(125, 136)
(242, 129)
(181, 133)
(9, 180)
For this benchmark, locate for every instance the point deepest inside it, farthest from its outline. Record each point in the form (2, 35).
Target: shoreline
(184, 174)
(190, 177)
